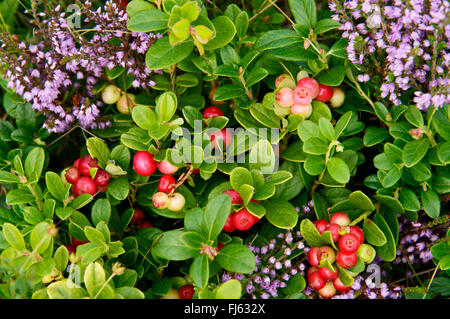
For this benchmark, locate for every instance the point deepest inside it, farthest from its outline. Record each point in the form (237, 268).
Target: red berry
(166, 167)
(223, 135)
(326, 252)
(312, 256)
(358, 232)
(310, 84)
(166, 184)
(327, 291)
(83, 185)
(243, 219)
(138, 216)
(325, 93)
(349, 243)
(315, 281)
(334, 230)
(145, 224)
(76, 242)
(311, 270)
(302, 95)
(77, 162)
(101, 189)
(321, 225)
(102, 178)
(234, 195)
(220, 246)
(186, 292)
(196, 171)
(229, 224)
(86, 163)
(340, 218)
(144, 164)
(71, 248)
(285, 97)
(72, 175)
(327, 274)
(212, 112)
(337, 283)
(346, 260)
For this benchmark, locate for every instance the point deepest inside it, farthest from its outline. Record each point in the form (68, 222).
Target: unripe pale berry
(212, 112)
(166, 167)
(326, 252)
(325, 93)
(111, 94)
(234, 195)
(302, 95)
(367, 253)
(285, 81)
(83, 185)
(338, 97)
(310, 84)
(176, 202)
(304, 110)
(171, 294)
(327, 291)
(144, 164)
(160, 200)
(340, 218)
(285, 97)
(126, 103)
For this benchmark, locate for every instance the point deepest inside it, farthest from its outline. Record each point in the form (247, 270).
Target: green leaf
(375, 135)
(392, 177)
(338, 170)
(13, 236)
(326, 129)
(162, 55)
(40, 239)
(143, 116)
(372, 234)
(414, 116)
(178, 245)
(236, 258)
(228, 92)
(414, 151)
(325, 25)
(61, 258)
(19, 196)
(332, 77)
(8, 178)
(409, 200)
(231, 289)
(240, 176)
(98, 150)
(34, 164)
(166, 106)
(281, 213)
(314, 164)
(101, 211)
(315, 146)
(94, 277)
(119, 188)
(388, 251)
(56, 186)
(147, 21)
(307, 130)
(276, 39)
(304, 12)
(431, 202)
(264, 116)
(225, 32)
(262, 157)
(215, 216)
(256, 75)
(311, 234)
(199, 271)
(345, 277)
(360, 200)
(241, 24)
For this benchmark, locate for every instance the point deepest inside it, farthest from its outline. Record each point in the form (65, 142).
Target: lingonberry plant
(188, 149)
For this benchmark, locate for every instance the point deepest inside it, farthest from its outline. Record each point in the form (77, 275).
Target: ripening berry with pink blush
(223, 135)
(325, 93)
(166, 167)
(310, 84)
(285, 97)
(304, 110)
(302, 95)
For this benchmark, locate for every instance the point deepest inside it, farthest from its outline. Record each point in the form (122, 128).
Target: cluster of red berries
(298, 96)
(241, 219)
(145, 165)
(350, 242)
(79, 175)
(139, 220)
